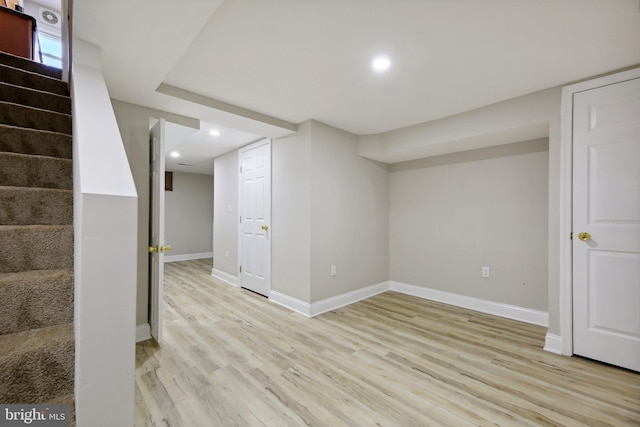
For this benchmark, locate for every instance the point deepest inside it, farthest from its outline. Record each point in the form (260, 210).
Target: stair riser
(26, 64)
(28, 248)
(34, 118)
(31, 80)
(17, 170)
(31, 141)
(36, 302)
(34, 98)
(29, 206)
(37, 376)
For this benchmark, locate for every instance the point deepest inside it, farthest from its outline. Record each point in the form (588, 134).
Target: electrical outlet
(334, 270)
(485, 272)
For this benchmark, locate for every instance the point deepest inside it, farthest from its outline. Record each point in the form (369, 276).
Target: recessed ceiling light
(174, 154)
(214, 132)
(381, 63)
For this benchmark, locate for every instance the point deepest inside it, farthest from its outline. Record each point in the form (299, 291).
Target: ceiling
(264, 65)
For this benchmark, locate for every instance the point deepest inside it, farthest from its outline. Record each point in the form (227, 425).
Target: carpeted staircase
(36, 235)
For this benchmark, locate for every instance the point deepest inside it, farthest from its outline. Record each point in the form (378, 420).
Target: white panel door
(156, 229)
(606, 224)
(255, 217)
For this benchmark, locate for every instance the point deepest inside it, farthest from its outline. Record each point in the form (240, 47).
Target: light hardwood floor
(232, 358)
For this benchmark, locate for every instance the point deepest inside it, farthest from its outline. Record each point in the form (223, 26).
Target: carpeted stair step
(18, 77)
(30, 206)
(35, 299)
(35, 247)
(35, 98)
(28, 65)
(32, 141)
(34, 118)
(37, 365)
(23, 170)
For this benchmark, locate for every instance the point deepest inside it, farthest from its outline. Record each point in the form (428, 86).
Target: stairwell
(36, 235)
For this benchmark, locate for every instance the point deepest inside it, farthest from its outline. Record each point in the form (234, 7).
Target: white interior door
(255, 217)
(606, 205)
(156, 228)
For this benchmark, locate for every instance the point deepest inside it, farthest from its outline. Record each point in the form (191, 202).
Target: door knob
(265, 227)
(584, 236)
(153, 249)
(165, 248)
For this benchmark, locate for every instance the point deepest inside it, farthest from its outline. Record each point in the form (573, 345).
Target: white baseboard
(522, 314)
(225, 277)
(187, 257)
(143, 332)
(553, 343)
(291, 303)
(347, 298)
(328, 304)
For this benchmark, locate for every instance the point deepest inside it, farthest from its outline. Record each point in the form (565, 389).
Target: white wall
(105, 215)
(225, 217)
(188, 221)
(349, 215)
(453, 214)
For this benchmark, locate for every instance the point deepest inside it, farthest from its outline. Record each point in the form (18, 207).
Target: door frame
(263, 141)
(566, 200)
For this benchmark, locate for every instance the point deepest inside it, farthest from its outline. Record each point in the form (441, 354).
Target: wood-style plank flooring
(232, 358)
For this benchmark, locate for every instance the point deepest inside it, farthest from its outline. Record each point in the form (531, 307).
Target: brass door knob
(265, 227)
(584, 236)
(153, 249)
(165, 248)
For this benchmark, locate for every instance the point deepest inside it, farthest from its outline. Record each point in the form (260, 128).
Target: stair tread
(29, 65)
(35, 339)
(35, 205)
(35, 189)
(35, 98)
(35, 118)
(28, 78)
(35, 299)
(16, 139)
(34, 170)
(35, 227)
(34, 275)
(37, 365)
(37, 156)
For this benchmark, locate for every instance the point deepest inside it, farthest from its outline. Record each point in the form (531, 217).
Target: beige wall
(291, 214)
(453, 214)
(188, 219)
(329, 207)
(349, 215)
(225, 213)
(133, 122)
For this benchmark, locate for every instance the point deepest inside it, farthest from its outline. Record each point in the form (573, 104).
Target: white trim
(347, 298)
(291, 303)
(553, 343)
(566, 187)
(522, 314)
(187, 257)
(225, 277)
(143, 332)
